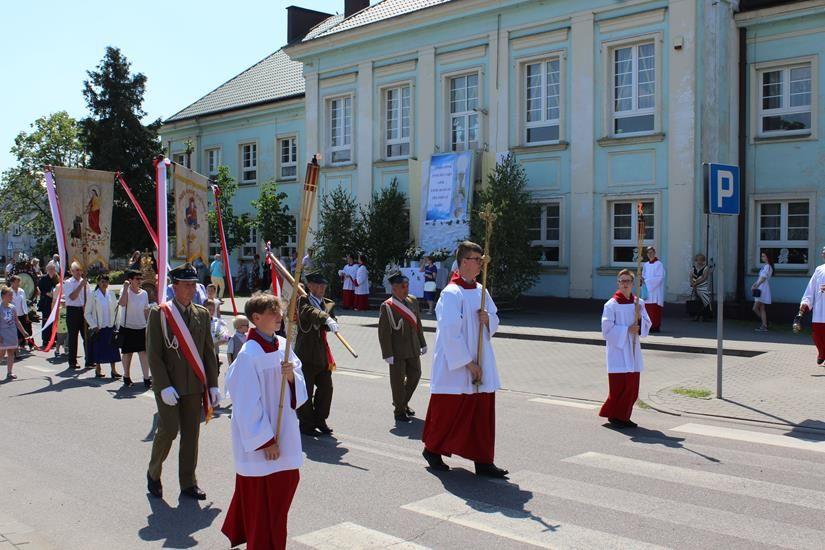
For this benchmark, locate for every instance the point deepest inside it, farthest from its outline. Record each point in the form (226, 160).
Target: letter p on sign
(724, 182)
(723, 187)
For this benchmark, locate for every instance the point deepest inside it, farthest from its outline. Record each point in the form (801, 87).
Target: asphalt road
(74, 453)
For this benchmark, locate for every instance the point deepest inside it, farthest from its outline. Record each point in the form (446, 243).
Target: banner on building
(85, 198)
(447, 188)
(191, 225)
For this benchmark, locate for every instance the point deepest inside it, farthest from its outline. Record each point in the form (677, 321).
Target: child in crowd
(62, 329)
(21, 307)
(212, 294)
(9, 327)
(220, 334)
(233, 348)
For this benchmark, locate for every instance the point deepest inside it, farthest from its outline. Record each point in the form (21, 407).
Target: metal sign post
(721, 199)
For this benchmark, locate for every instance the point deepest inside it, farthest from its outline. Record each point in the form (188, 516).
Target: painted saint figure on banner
(190, 211)
(85, 199)
(93, 210)
(192, 214)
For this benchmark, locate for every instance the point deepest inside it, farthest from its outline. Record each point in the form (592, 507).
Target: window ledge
(779, 139)
(630, 140)
(247, 183)
(339, 167)
(797, 272)
(523, 149)
(609, 270)
(554, 270)
(282, 182)
(391, 163)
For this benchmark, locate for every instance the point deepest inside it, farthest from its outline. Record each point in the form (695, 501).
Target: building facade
(603, 104)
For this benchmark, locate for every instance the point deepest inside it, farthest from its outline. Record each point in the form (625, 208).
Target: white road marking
(719, 482)
(573, 404)
(351, 536)
(39, 369)
(722, 522)
(795, 442)
(357, 374)
(518, 525)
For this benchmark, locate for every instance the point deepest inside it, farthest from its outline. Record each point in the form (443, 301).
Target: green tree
(386, 223)
(53, 140)
(235, 227)
(116, 139)
(273, 221)
(338, 234)
(514, 265)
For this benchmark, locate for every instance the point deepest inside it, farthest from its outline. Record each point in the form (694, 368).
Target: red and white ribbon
(401, 309)
(57, 218)
(163, 227)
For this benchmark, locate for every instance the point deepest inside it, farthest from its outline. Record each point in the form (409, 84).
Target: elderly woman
(700, 283)
(100, 317)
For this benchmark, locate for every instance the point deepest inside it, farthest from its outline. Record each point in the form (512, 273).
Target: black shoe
(147, 382)
(490, 470)
(195, 492)
(74, 367)
(311, 432)
(820, 361)
(434, 460)
(155, 487)
(116, 375)
(323, 428)
(127, 381)
(630, 424)
(616, 423)
(410, 412)
(402, 418)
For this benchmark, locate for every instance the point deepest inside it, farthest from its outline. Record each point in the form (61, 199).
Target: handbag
(694, 307)
(118, 338)
(429, 286)
(756, 292)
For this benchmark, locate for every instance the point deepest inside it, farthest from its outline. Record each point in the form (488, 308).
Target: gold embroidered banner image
(191, 225)
(86, 207)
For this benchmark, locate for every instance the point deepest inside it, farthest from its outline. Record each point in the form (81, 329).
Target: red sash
(190, 351)
(401, 309)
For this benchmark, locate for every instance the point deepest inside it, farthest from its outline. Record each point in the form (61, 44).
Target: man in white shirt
(76, 291)
(461, 414)
(814, 300)
(653, 277)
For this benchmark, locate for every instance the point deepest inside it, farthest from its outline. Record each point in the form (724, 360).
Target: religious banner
(191, 225)
(85, 199)
(447, 189)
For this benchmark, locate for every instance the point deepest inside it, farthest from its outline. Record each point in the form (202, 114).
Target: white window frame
(206, 154)
(251, 243)
(758, 113)
(479, 111)
(783, 242)
(214, 244)
(560, 57)
(609, 202)
(252, 166)
(551, 243)
(331, 150)
(279, 157)
(386, 141)
(182, 158)
(291, 245)
(608, 62)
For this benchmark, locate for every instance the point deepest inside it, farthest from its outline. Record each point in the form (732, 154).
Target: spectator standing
(9, 327)
(233, 348)
(76, 291)
(21, 307)
(101, 313)
(135, 303)
(761, 291)
(700, 283)
(217, 271)
(430, 272)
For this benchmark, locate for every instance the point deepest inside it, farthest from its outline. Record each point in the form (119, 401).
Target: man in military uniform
(179, 393)
(402, 343)
(315, 319)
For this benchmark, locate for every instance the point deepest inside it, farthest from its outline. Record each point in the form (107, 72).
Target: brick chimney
(354, 6)
(299, 21)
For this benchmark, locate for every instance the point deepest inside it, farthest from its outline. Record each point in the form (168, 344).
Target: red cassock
(624, 391)
(654, 311)
(348, 299)
(819, 339)
(463, 424)
(258, 512)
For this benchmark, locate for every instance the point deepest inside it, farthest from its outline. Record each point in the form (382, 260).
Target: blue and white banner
(448, 186)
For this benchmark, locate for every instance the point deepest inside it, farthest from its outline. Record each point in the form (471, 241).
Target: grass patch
(696, 393)
(642, 405)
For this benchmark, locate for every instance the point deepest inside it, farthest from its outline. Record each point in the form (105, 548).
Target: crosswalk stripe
(709, 480)
(348, 535)
(518, 525)
(796, 442)
(573, 404)
(679, 513)
(357, 374)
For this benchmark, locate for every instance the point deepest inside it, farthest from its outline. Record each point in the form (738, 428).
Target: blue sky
(185, 48)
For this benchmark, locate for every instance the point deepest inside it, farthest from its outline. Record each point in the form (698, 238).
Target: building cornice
(778, 13)
(232, 113)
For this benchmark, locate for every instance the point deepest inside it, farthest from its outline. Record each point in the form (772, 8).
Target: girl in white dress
(761, 291)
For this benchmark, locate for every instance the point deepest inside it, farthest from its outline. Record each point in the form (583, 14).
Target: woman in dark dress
(46, 285)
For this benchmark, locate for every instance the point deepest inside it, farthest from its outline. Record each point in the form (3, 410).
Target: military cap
(185, 272)
(396, 277)
(316, 276)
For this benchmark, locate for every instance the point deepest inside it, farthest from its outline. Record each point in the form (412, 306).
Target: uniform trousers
(185, 417)
(624, 391)
(819, 339)
(76, 324)
(319, 396)
(404, 377)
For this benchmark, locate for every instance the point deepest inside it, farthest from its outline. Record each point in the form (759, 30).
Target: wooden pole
(640, 234)
(488, 217)
(308, 201)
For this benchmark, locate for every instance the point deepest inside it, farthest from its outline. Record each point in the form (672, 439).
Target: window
(288, 158)
(624, 232)
(214, 243)
(340, 130)
(785, 100)
(783, 232)
(397, 117)
(634, 88)
(250, 247)
(464, 113)
(249, 163)
(291, 239)
(545, 233)
(541, 101)
(183, 159)
(213, 161)
(18, 230)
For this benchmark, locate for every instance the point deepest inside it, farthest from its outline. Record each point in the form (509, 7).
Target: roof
(274, 78)
(385, 9)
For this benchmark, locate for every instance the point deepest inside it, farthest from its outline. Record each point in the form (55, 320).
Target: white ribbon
(54, 206)
(163, 229)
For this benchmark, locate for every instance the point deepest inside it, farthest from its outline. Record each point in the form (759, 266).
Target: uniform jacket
(403, 342)
(309, 343)
(168, 366)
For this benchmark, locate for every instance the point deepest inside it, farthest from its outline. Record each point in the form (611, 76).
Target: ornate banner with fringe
(191, 225)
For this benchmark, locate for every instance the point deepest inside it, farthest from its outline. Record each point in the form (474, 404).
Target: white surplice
(348, 272)
(456, 342)
(254, 383)
(814, 296)
(623, 350)
(654, 276)
(361, 277)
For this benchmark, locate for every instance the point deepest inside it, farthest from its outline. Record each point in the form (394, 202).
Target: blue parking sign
(723, 189)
